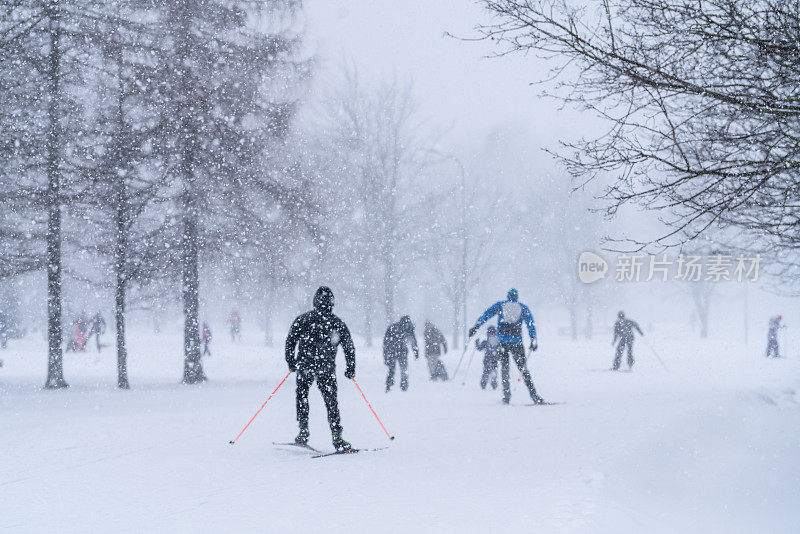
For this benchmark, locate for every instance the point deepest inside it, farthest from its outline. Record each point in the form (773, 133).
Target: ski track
(710, 446)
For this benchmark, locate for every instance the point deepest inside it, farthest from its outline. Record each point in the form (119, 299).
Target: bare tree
(215, 60)
(382, 136)
(450, 238)
(701, 99)
(119, 160)
(40, 43)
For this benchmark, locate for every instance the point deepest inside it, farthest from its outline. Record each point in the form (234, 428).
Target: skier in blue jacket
(511, 316)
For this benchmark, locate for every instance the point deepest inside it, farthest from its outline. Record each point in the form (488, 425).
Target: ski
(347, 451)
(544, 403)
(298, 446)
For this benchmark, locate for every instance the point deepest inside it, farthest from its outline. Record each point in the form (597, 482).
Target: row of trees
(146, 144)
(128, 130)
(701, 103)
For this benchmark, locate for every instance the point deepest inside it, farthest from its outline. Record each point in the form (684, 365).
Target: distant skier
(97, 328)
(395, 350)
(511, 315)
(491, 349)
(235, 322)
(205, 337)
(623, 331)
(772, 337)
(319, 333)
(434, 343)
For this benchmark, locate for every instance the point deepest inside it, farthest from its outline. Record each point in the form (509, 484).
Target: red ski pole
(262, 407)
(371, 409)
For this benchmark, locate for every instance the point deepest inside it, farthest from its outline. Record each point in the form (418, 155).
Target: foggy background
(460, 118)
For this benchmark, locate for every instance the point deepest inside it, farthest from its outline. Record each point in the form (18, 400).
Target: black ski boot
(537, 399)
(340, 444)
(302, 438)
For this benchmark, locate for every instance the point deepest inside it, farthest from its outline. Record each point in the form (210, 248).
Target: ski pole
(656, 354)
(463, 353)
(469, 363)
(372, 409)
(785, 345)
(262, 407)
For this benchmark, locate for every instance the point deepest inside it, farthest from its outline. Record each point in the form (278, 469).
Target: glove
(292, 367)
(472, 331)
(350, 372)
(534, 345)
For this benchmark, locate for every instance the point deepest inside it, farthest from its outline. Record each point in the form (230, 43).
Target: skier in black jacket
(319, 333)
(434, 343)
(395, 350)
(623, 331)
(491, 356)
(97, 328)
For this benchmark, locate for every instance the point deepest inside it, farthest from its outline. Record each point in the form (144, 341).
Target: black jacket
(319, 334)
(394, 340)
(491, 345)
(623, 329)
(434, 340)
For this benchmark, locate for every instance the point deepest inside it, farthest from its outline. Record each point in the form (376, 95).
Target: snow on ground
(712, 445)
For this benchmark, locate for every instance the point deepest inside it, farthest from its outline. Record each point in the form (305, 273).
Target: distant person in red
(772, 337)
(206, 338)
(235, 321)
(78, 342)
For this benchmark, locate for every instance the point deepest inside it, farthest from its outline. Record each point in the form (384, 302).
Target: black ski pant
(489, 370)
(772, 346)
(392, 361)
(326, 382)
(621, 347)
(516, 351)
(436, 367)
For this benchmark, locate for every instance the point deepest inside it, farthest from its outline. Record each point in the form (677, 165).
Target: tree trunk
(192, 367)
(388, 285)
(55, 356)
(701, 291)
(368, 312)
(120, 258)
(573, 320)
(704, 323)
(589, 314)
(269, 297)
(121, 249)
(456, 322)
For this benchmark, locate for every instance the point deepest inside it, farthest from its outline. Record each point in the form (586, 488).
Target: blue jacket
(509, 323)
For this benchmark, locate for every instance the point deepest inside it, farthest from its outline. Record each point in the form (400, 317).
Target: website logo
(591, 267)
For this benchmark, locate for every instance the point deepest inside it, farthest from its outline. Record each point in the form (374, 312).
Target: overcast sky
(454, 81)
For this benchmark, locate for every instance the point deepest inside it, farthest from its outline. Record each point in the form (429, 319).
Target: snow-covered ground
(711, 445)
